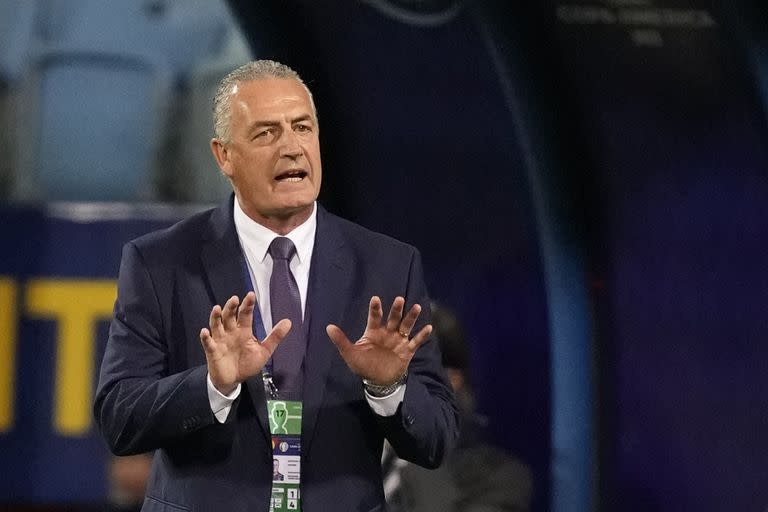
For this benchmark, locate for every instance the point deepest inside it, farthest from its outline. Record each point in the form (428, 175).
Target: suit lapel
(330, 278)
(225, 270)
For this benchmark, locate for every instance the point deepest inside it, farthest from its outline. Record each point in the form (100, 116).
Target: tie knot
(282, 248)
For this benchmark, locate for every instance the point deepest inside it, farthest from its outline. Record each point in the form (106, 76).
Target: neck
(282, 222)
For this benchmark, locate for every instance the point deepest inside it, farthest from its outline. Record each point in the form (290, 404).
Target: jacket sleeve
(425, 427)
(138, 405)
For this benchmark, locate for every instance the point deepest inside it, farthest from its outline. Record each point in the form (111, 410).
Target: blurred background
(587, 182)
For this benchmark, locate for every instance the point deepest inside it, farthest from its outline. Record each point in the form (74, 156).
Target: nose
(290, 147)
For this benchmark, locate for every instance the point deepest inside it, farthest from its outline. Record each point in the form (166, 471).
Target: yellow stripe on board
(76, 305)
(8, 332)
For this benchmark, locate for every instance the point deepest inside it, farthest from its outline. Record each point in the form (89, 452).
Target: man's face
(273, 157)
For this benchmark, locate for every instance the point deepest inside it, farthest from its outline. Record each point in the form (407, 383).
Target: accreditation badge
(285, 427)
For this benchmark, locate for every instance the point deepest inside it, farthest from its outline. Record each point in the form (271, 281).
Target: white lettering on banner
(642, 21)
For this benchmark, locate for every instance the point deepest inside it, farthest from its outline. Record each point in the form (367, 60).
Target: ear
(221, 153)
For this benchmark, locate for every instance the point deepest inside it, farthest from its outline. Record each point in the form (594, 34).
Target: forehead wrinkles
(271, 109)
(273, 93)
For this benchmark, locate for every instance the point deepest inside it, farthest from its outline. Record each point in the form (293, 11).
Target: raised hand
(383, 352)
(232, 351)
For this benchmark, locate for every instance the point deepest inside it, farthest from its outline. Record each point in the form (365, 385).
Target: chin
(299, 202)
(290, 209)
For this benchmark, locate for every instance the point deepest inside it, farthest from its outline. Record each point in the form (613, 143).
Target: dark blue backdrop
(76, 245)
(675, 137)
(658, 135)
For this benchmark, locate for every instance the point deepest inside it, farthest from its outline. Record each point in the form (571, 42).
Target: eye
(303, 128)
(267, 132)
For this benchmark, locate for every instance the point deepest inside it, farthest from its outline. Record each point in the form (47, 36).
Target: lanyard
(284, 426)
(258, 324)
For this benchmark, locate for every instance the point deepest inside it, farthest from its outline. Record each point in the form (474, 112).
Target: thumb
(276, 335)
(338, 338)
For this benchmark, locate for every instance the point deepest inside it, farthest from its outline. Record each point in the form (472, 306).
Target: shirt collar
(257, 238)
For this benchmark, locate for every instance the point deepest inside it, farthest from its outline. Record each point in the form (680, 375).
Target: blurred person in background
(477, 476)
(128, 482)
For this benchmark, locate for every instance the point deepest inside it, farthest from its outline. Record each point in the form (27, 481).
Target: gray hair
(254, 70)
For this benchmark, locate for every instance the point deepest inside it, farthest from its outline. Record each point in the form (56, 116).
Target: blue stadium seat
(102, 79)
(17, 28)
(194, 31)
(17, 25)
(94, 123)
(203, 181)
(181, 32)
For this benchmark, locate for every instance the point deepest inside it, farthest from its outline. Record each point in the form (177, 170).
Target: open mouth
(292, 176)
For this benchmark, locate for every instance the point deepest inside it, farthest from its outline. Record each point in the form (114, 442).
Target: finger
(375, 313)
(395, 314)
(245, 313)
(217, 329)
(406, 326)
(338, 338)
(420, 338)
(207, 340)
(229, 313)
(276, 335)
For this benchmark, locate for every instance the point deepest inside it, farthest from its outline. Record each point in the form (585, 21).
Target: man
(276, 474)
(477, 476)
(231, 310)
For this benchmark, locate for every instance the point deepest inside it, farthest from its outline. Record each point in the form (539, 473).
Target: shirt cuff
(386, 405)
(221, 404)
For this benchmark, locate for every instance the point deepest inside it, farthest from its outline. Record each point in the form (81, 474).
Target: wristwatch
(380, 391)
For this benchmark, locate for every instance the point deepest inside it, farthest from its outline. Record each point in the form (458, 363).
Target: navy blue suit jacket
(152, 392)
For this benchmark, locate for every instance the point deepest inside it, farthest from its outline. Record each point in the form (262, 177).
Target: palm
(383, 352)
(237, 356)
(232, 351)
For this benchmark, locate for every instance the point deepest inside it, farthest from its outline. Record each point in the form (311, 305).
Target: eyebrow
(266, 123)
(303, 117)
(260, 124)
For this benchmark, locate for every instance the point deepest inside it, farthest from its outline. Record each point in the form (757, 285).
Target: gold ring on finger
(403, 334)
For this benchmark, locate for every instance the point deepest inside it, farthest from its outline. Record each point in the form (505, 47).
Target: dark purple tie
(286, 303)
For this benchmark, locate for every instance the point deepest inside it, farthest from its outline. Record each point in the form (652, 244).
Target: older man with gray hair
(230, 350)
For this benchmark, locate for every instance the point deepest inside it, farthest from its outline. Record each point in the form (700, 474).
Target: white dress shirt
(255, 240)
